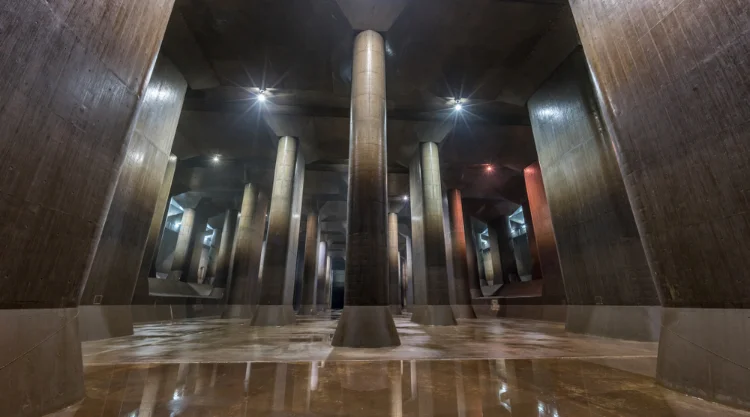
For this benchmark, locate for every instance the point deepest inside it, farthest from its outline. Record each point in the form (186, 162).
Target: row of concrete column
(378, 282)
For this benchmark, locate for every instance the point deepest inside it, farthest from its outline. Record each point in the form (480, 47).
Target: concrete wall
(672, 78)
(73, 73)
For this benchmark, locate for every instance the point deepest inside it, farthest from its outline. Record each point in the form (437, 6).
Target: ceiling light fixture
(457, 104)
(261, 96)
(489, 168)
(216, 158)
(406, 198)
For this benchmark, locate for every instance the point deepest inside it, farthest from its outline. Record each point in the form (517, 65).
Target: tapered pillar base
(439, 315)
(238, 311)
(366, 327)
(308, 310)
(273, 316)
(463, 311)
(395, 310)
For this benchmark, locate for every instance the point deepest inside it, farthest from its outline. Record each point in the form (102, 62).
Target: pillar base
(273, 316)
(238, 311)
(366, 327)
(96, 322)
(463, 311)
(438, 315)
(395, 310)
(308, 310)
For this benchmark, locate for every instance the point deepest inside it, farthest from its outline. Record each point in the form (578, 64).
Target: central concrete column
(309, 272)
(437, 311)
(273, 310)
(463, 308)
(221, 276)
(366, 320)
(394, 285)
(321, 276)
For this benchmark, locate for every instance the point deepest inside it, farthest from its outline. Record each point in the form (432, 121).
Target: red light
(489, 168)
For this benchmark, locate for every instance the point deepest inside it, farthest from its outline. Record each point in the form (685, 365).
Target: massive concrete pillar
(544, 236)
(463, 308)
(407, 284)
(329, 283)
(71, 92)
(156, 227)
(226, 245)
(183, 249)
(155, 232)
(275, 306)
(437, 310)
(536, 269)
(493, 264)
(366, 320)
(215, 248)
(309, 271)
(472, 267)
(195, 251)
(242, 273)
(320, 268)
(394, 260)
(676, 108)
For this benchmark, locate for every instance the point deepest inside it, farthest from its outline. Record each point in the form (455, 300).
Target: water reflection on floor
(512, 387)
(498, 367)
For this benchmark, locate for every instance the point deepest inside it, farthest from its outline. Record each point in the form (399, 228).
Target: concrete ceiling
(493, 53)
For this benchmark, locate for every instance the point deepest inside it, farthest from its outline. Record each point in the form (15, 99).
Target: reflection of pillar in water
(396, 396)
(150, 392)
(279, 388)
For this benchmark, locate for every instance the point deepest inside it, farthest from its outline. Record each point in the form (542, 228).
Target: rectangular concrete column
(329, 283)
(156, 228)
(71, 88)
(155, 232)
(544, 236)
(463, 308)
(320, 272)
(472, 267)
(418, 276)
(394, 284)
(183, 248)
(196, 250)
(407, 282)
(676, 108)
(132, 226)
(274, 309)
(366, 320)
(536, 269)
(224, 257)
(437, 311)
(309, 272)
(240, 296)
(215, 247)
(493, 264)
